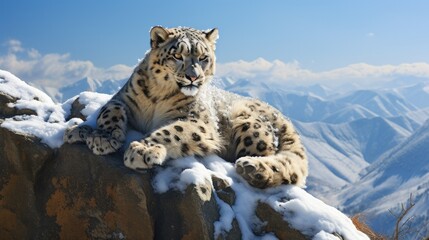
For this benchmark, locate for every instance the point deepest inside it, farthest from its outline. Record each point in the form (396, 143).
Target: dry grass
(359, 221)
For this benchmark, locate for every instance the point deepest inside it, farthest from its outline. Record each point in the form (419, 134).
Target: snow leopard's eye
(203, 58)
(178, 56)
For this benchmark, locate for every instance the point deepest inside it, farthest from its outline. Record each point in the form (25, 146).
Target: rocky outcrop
(70, 193)
(21, 159)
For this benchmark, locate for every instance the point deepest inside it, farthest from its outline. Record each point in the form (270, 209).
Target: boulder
(274, 222)
(84, 196)
(76, 110)
(70, 193)
(21, 159)
(7, 111)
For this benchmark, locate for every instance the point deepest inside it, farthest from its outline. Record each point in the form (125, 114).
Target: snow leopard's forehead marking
(189, 41)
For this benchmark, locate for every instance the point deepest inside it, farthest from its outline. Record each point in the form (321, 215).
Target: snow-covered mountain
(384, 104)
(417, 94)
(86, 84)
(400, 172)
(294, 104)
(338, 152)
(305, 105)
(317, 90)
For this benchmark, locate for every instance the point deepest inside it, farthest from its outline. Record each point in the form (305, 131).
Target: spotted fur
(162, 99)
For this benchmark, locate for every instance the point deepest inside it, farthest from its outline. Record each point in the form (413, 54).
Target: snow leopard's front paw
(77, 133)
(103, 142)
(141, 155)
(262, 172)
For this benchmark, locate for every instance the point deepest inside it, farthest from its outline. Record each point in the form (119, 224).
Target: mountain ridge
(396, 175)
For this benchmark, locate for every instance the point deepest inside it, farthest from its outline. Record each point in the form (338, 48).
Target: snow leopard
(166, 99)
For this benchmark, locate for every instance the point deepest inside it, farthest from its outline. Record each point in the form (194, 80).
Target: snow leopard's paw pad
(262, 172)
(141, 155)
(77, 134)
(103, 142)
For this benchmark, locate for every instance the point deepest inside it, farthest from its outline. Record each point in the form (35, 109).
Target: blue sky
(318, 35)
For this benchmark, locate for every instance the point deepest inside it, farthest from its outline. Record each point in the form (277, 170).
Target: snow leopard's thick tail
(268, 150)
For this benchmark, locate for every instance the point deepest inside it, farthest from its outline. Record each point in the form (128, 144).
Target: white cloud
(261, 68)
(14, 46)
(54, 69)
(278, 71)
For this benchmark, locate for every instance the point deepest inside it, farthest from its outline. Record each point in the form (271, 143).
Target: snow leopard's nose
(191, 78)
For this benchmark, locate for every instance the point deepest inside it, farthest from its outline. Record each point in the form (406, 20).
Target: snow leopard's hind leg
(77, 134)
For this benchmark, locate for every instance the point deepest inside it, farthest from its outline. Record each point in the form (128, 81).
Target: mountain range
(86, 84)
(368, 148)
(401, 173)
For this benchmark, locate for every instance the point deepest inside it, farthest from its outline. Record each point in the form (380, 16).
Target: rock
(76, 109)
(275, 223)
(84, 196)
(219, 183)
(191, 214)
(73, 194)
(233, 234)
(70, 193)
(6, 111)
(223, 190)
(21, 159)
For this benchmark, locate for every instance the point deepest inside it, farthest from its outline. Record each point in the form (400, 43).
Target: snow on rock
(310, 215)
(15, 87)
(305, 213)
(50, 133)
(92, 102)
(49, 123)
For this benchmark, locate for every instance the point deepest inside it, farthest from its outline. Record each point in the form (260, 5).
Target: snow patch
(15, 87)
(49, 124)
(50, 133)
(309, 214)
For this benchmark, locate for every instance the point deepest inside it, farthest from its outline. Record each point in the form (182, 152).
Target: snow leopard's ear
(158, 35)
(212, 35)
